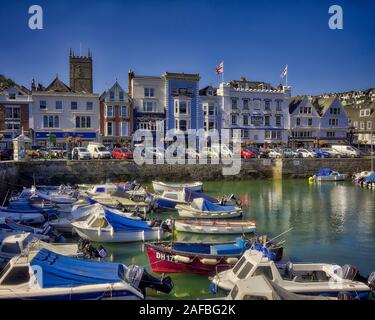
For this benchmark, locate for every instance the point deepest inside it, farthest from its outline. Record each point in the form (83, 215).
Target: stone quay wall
(54, 172)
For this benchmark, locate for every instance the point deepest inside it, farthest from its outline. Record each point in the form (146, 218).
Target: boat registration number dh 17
(164, 257)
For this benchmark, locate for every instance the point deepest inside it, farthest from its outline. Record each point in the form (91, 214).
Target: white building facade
(259, 110)
(59, 115)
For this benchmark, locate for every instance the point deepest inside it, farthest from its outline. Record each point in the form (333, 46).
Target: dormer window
(111, 96)
(12, 96)
(121, 95)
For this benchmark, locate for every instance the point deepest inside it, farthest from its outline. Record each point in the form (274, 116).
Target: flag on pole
(220, 68)
(285, 72)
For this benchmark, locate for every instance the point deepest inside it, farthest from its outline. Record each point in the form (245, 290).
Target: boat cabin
(298, 278)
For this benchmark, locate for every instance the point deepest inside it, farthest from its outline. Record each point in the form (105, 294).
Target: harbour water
(332, 222)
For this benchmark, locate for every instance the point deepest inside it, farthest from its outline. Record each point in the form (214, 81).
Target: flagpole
(222, 74)
(286, 77)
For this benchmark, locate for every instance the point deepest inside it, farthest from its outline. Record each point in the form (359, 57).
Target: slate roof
(294, 103)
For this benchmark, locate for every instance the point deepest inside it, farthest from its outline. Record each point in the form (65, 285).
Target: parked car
(207, 152)
(332, 152)
(153, 153)
(289, 153)
(122, 153)
(222, 150)
(246, 153)
(275, 154)
(304, 153)
(98, 151)
(80, 153)
(347, 151)
(55, 152)
(319, 153)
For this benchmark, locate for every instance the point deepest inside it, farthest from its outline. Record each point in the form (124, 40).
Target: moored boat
(201, 208)
(301, 278)
(170, 199)
(160, 187)
(108, 226)
(327, 174)
(203, 257)
(45, 275)
(221, 226)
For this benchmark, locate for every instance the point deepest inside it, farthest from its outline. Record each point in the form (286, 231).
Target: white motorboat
(201, 208)
(260, 288)
(15, 243)
(221, 226)
(327, 174)
(108, 226)
(80, 212)
(44, 274)
(301, 278)
(160, 187)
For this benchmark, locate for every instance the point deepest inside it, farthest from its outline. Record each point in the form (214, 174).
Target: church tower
(81, 72)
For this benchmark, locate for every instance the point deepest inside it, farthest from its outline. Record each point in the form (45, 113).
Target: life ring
(247, 245)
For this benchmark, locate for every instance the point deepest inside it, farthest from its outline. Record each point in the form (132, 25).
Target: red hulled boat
(201, 257)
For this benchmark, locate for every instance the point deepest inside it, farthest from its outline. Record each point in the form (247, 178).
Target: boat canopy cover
(205, 205)
(190, 195)
(370, 178)
(122, 223)
(324, 172)
(63, 271)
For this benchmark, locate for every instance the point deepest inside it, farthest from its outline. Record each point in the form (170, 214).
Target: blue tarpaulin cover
(324, 172)
(205, 205)
(191, 195)
(122, 223)
(63, 271)
(370, 178)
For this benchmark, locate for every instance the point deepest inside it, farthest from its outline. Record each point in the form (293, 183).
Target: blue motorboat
(169, 199)
(50, 276)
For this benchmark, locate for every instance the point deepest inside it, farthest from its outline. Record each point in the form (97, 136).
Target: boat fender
(231, 260)
(210, 262)
(99, 232)
(112, 232)
(182, 259)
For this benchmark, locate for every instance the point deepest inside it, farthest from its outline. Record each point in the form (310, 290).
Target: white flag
(285, 72)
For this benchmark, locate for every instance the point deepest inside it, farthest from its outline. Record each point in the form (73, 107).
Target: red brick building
(116, 117)
(14, 113)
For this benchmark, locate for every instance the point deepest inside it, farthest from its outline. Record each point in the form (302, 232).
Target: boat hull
(195, 214)
(119, 236)
(160, 187)
(214, 227)
(164, 261)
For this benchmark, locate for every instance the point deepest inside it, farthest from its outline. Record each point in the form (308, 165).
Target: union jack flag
(220, 68)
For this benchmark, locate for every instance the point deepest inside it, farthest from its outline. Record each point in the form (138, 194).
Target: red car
(247, 153)
(122, 153)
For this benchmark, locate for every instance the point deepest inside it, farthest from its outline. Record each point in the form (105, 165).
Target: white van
(98, 151)
(223, 150)
(347, 151)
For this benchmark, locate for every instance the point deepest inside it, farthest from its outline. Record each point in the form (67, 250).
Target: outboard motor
(90, 251)
(140, 278)
(371, 281)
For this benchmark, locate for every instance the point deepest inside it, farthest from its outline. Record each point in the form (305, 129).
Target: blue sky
(254, 38)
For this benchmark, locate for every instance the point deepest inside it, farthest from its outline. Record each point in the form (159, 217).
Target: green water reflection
(332, 222)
